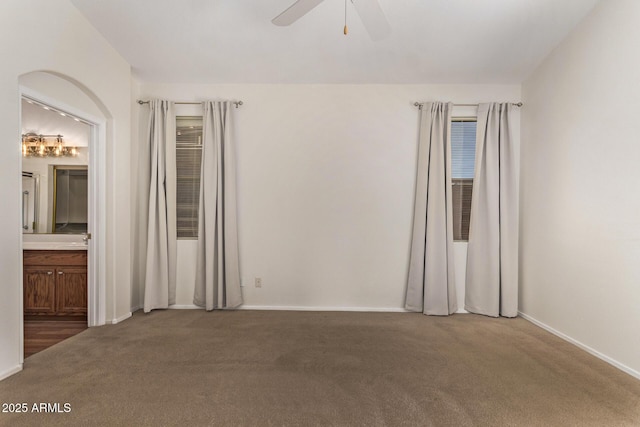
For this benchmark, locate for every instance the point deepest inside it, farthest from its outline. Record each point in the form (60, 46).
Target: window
(188, 160)
(463, 154)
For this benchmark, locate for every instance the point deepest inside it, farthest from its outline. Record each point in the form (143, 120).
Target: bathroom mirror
(55, 148)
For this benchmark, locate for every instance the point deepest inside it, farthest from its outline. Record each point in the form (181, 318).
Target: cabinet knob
(49, 273)
(60, 272)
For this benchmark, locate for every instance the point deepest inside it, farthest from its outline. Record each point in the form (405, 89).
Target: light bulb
(59, 148)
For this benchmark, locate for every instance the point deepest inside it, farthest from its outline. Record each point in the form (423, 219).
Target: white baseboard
(296, 308)
(120, 319)
(185, 307)
(584, 347)
(306, 308)
(8, 373)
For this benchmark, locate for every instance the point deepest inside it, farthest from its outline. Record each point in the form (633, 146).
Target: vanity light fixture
(34, 145)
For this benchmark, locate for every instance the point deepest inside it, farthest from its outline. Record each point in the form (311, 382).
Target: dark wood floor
(41, 334)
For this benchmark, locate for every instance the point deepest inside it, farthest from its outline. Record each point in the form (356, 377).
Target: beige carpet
(320, 368)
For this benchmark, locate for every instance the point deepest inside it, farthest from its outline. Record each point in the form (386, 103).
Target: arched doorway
(69, 99)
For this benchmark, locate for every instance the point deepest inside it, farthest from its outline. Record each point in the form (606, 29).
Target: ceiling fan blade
(295, 12)
(373, 19)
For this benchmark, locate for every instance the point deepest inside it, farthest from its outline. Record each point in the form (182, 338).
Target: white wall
(580, 227)
(326, 177)
(71, 47)
(138, 209)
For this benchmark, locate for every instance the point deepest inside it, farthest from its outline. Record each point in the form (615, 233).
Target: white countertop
(54, 242)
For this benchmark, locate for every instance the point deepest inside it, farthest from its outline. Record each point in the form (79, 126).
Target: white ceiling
(432, 41)
(38, 120)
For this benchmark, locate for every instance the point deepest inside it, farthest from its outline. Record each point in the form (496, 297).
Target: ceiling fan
(370, 13)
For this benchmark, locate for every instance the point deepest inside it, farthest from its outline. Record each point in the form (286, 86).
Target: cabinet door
(39, 290)
(71, 286)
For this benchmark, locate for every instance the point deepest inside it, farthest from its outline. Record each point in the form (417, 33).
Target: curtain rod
(237, 103)
(420, 104)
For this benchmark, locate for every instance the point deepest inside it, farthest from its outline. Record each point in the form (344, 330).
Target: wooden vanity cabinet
(39, 290)
(55, 283)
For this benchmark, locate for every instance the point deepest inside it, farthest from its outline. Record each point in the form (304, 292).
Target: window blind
(188, 164)
(463, 153)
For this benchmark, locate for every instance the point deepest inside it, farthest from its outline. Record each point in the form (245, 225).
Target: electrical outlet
(258, 282)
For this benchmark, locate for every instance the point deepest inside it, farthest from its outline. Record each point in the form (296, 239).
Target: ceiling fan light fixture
(346, 30)
(370, 12)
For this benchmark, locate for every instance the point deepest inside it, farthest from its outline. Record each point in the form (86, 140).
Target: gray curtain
(492, 254)
(218, 268)
(431, 284)
(161, 257)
